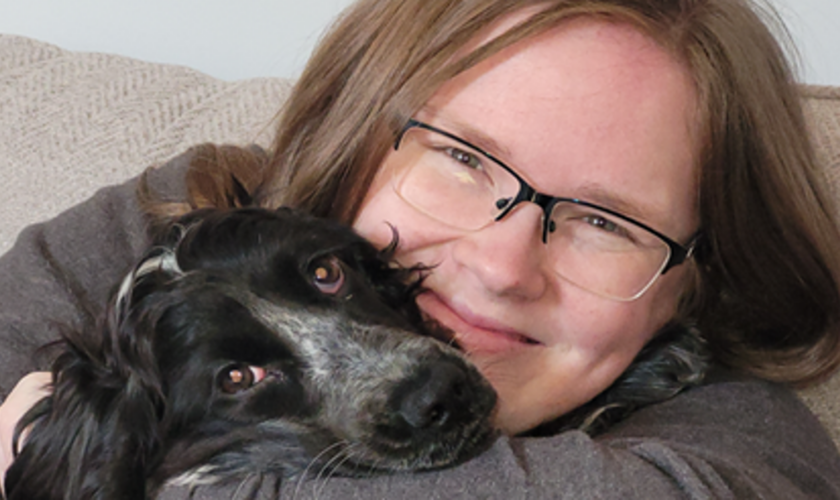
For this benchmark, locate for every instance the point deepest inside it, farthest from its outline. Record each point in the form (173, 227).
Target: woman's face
(591, 110)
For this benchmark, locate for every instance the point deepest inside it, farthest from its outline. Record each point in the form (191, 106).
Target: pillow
(73, 122)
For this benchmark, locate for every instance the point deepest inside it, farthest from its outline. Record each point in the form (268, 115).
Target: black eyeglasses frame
(678, 253)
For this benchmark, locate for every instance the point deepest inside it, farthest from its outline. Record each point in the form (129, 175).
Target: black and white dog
(253, 342)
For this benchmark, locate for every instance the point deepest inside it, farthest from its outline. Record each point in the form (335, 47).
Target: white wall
(234, 39)
(815, 27)
(229, 39)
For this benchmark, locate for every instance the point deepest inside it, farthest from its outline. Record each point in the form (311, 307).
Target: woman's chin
(518, 367)
(529, 392)
(513, 420)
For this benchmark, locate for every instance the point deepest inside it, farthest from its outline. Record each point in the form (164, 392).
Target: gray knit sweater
(734, 437)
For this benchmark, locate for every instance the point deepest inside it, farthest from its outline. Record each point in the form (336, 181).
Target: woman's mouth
(473, 333)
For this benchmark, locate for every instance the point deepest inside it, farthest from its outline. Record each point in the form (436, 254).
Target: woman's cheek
(593, 343)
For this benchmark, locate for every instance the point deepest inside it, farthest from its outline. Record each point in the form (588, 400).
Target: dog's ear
(83, 443)
(98, 434)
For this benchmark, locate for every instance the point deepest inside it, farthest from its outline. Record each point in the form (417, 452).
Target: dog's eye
(327, 275)
(240, 377)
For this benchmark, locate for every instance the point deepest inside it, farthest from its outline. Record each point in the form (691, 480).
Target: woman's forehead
(588, 103)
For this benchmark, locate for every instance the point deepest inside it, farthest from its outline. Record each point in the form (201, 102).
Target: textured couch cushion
(73, 122)
(822, 106)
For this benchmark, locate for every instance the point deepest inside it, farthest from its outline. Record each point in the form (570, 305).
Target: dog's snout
(432, 397)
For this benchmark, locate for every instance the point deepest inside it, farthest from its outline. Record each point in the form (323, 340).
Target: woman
(622, 167)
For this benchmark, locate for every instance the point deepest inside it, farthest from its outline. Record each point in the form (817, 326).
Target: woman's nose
(508, 257)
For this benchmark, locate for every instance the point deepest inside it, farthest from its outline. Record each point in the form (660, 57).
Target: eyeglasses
(465, 187)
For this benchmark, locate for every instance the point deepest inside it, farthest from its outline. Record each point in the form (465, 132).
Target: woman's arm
(59, 273)
(28, 391)
(730, 439)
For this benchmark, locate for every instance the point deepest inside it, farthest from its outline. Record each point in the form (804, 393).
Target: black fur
(352, 380)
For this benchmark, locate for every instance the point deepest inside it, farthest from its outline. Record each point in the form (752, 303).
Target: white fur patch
(199, 476)
(165, 261)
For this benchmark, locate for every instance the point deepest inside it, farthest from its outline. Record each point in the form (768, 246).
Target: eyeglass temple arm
(681, 253)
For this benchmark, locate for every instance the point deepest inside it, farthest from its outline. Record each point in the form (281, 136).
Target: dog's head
(296, 326)
(257, 341)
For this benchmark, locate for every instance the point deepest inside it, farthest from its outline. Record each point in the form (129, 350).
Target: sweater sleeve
(60, 273)
(732, 439)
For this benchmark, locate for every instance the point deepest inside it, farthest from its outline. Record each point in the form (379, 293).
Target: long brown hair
(766, 296)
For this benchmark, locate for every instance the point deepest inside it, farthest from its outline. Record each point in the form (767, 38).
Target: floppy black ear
(98, 434)
(85, 444)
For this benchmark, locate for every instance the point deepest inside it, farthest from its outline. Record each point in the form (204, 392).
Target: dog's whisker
(241, 487)
(335, 459)
(302, 477)
(345, 455)
(330, 467)
(305, 473)
(372, 468)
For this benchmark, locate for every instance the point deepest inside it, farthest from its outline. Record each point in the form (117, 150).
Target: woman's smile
(474, 333)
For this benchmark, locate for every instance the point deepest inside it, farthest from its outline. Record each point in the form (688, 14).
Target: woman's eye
(240, 377)
(327, 275)
(464, 157)
(607, 225)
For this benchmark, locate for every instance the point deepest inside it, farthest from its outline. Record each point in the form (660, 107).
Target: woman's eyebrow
(469, 133)
(483, 141)
(634, 208)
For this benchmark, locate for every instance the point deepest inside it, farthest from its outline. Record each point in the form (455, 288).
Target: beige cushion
(73, 122)
(822, 107)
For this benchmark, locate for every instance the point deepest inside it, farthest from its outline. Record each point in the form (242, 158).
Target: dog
(252, 342)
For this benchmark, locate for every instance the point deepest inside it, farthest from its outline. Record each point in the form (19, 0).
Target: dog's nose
(433, 396)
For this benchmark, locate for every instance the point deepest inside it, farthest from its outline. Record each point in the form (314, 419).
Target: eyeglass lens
(465, 189)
